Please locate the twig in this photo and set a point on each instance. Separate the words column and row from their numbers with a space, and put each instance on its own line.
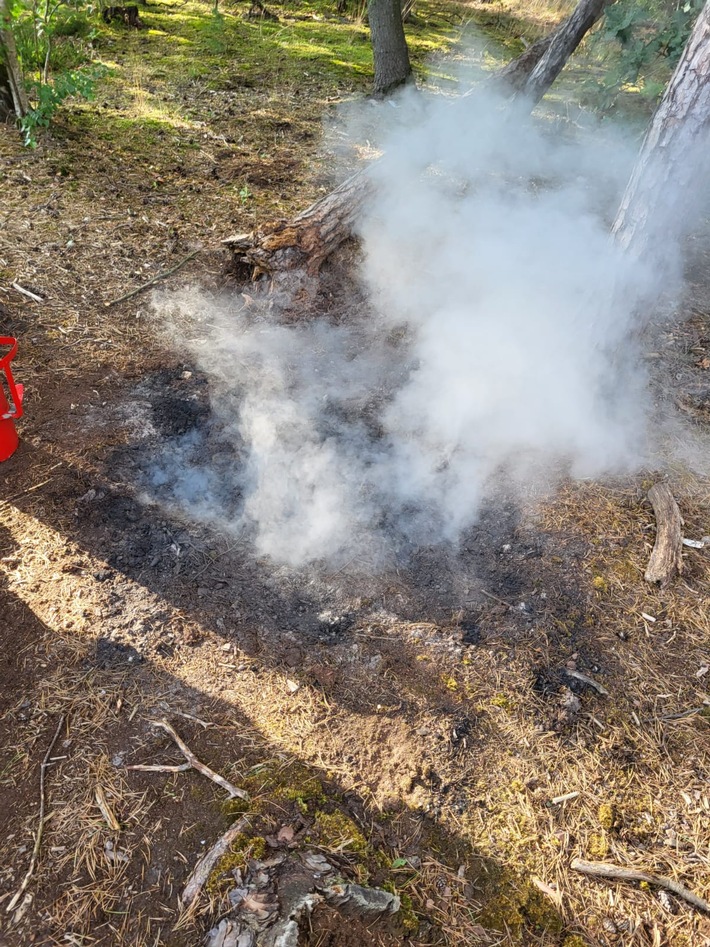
column 567, row 797
column 155, row 279
column 211, row 562
column 616, row 873
column 201, row 871
column 678, row 716
column 495, row 598
column 578, row 676
column 26, row 292
column 196, row 764
column 157, row 768
column 40, row 826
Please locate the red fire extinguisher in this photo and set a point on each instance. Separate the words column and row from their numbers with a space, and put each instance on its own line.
column 9, row 412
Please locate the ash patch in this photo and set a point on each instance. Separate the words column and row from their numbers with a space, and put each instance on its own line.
column 178, row 399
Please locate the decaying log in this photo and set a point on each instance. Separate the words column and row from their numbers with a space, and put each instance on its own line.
column 617, row 873
column 666, row 560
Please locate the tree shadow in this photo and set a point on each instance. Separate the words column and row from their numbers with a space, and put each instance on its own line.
column 108, row 694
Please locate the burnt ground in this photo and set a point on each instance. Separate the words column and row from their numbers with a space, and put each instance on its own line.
column 418, row 727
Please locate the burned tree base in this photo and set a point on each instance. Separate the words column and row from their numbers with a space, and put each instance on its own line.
column 302, row 244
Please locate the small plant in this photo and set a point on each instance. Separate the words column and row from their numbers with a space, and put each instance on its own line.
column 245, row 194
column 53, row 39
column 48, row 96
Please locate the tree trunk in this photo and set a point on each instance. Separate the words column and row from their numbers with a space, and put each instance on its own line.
column 661, row 186
column 307, row 240
column 389, row 46
column 7, row 107
column 563, row 42
column 10, row 72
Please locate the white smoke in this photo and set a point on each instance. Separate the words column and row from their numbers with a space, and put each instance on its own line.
column 498, row 339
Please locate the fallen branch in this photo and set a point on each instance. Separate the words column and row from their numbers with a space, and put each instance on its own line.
column 201, row 871
column 40, row 825
column 666, row 561
column 163, row 275
column 300, row 246
column 616, row 873
column 196, row 764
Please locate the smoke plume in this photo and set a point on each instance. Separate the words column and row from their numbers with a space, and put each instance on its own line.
column 496, row 340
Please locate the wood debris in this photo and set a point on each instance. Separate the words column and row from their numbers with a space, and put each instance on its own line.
column 666, row 561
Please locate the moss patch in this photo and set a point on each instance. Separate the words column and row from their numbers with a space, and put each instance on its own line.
column 243, row 848
column 335, row 830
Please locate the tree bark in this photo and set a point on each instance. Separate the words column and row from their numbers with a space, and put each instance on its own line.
column 661, row 185
column 389, row 45
column 9, row 64
column 307, row 240
column 563, row 42
column 7, row 107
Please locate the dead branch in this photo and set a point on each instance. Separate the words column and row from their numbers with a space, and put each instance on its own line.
column 163, row 275
column 41, row 820
column 666, row 561
column 201, row 871
column 617, row 873
column 196, row 764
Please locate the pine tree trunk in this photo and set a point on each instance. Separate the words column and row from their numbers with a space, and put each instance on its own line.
column 389, row 46
column 661, row 186
column 563, row 42
column 10, row 72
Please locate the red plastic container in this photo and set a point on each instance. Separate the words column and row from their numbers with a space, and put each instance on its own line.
column 9, row 412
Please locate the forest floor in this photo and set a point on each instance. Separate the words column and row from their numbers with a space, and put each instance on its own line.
column 419, row 728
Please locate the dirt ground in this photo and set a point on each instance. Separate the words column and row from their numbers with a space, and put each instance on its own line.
column 420, row 729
